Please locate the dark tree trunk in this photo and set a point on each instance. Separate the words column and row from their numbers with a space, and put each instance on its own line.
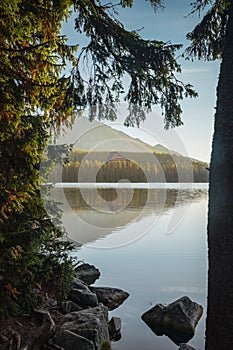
column 219, row 328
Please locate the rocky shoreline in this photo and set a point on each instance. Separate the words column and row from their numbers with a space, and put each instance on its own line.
column 82, row 321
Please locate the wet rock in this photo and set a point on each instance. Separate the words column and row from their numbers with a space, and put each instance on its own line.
column 114, row 327
column 185, row 347
column 110, row 297
column 87, row 273
column 91, row 324
column 69, row 306
column 82, row 295
column 70, row 341
column 176, row 320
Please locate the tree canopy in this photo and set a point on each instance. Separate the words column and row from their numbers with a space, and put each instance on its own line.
column 36, row 98
column 112, row 52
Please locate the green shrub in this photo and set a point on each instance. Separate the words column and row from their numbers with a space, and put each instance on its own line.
column 106, row 345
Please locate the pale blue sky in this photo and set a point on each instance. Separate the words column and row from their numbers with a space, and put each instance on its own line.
column 172, row 24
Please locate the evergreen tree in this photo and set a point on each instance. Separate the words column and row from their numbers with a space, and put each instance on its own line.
column 33, row 100
column 36, row 99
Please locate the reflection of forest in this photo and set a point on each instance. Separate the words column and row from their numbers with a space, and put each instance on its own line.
column 89, row 199
column 90, row 214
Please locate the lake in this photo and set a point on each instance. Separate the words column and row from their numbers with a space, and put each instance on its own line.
column 149, row 240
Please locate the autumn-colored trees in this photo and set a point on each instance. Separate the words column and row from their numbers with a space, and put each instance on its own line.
column 84, row 166
column 33, row 100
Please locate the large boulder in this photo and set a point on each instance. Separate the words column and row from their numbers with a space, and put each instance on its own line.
column 176, row 320
column 87, row 273
column 82, row 295
column 69, row 341
column 110, row 297
column 91, row 324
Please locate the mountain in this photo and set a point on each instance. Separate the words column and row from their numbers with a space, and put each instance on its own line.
column 97, row 136
column 95, row 143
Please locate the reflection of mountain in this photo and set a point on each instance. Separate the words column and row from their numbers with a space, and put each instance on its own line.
column 90, row 214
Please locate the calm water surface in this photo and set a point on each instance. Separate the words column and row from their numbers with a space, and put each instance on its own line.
column 150, row 242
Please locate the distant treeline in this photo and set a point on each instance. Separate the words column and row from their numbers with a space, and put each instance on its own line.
column 98, row 166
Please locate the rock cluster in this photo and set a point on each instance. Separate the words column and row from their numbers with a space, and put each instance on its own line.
column 81, row 322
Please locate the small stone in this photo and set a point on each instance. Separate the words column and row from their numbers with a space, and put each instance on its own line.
column 114, row 327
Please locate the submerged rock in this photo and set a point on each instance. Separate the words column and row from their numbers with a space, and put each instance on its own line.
column 176, row 320
column 87, row 273
column 110, row 297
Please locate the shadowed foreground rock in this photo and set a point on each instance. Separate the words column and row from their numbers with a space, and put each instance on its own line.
column 69, row 341
column 78, row 323
column 176, row 320
column 91, row 325
column 28, row 332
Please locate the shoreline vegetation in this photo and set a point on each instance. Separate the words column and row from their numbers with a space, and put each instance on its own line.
column 137, row 167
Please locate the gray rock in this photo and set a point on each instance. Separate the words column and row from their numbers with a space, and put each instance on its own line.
column 82, row 295
column 78, row 284
column 114, row 327
column 91, row 324
column 83, row 298
column 70, row 341
column 69, row 306
column 176, row 320
column 110, row 297
column 185, row 347
column 87, row 273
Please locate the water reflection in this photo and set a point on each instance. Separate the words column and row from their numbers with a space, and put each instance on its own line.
column 91, row 214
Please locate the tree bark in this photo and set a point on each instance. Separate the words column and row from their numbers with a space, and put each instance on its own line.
column 219, row 326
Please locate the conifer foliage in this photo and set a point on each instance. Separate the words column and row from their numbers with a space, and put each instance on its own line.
column 33, row 99
column 36, row 99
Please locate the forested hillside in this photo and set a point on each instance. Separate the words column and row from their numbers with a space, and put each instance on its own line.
column 98, row 166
